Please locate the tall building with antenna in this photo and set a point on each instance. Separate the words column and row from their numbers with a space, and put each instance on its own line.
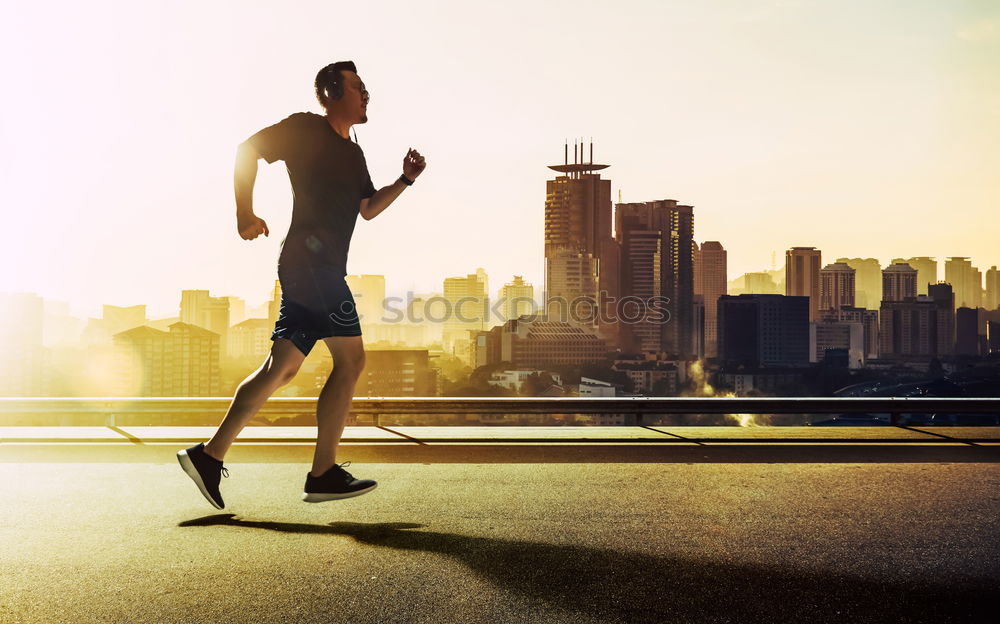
column 581, row 256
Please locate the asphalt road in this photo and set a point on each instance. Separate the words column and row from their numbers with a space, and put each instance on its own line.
column 570, row 542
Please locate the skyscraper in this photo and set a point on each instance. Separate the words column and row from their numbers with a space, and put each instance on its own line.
column 802, row 267
column 944, row 302
column 713, row 285
column 468, row 307
column 992, row 294
column 867, row 281
column 642, row 279
column 656, row 239
column 965, row 281
column 836, row 286
column 908, row 327
column 581, row 256
column 899, row 282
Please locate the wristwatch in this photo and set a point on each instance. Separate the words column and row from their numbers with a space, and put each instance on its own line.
column 405, row 180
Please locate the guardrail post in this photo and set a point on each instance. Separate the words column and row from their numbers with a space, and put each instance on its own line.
column 894, row 419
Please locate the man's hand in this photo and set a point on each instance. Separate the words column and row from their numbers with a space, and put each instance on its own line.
column 250, row 226
column 413, row 164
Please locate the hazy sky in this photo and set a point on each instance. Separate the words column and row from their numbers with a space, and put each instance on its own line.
column 864, row 128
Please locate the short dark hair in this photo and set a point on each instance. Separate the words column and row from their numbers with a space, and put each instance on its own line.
column 330, row 81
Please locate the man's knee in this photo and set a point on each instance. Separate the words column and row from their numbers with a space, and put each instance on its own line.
column 278, row 371
column 350, row 364
column 280, row 375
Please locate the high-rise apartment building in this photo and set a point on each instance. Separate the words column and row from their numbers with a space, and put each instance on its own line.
column 992, row 291
column 467, row 311
column 836, row 286
column 802, row 267
column 867, row 281
column 965, row 280
column 899, row 282
column 518, row 298
column 181, row 362
column 944, row 302
column 908, row 328
column 711, row 284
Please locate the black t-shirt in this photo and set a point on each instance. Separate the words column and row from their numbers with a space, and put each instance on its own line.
column 329, row 179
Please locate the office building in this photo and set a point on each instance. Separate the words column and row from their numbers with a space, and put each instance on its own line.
column 656, row 239
column 536, row 342
column 763, row 330
column 581, row 256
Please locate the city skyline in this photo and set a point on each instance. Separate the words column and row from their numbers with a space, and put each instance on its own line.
column 758, row 114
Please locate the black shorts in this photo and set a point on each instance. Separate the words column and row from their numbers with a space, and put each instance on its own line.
column 315, row 303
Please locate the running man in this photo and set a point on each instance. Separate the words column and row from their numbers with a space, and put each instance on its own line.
column 331, row 186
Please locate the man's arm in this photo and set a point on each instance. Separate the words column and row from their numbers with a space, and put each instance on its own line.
column 249, row 225
column 372, row 206
column 413, row 166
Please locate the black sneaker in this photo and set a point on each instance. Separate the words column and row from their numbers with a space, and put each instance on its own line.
column 205, row 470
column 334, row 484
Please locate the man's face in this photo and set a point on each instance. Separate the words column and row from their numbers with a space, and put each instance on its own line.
column 353, row 104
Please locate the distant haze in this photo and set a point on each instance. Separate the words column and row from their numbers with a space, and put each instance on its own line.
column 860, row 128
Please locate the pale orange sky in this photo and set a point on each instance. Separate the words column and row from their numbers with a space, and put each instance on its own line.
column 864, row 129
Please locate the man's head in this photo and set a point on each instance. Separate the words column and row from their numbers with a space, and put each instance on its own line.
column 340, row 90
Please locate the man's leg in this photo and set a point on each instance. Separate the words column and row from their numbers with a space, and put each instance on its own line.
column 277, row 370
column 334, row 401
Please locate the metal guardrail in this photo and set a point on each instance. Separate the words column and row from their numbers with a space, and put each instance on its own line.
column 110, row 407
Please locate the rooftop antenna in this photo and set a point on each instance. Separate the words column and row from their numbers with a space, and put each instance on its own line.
column 579, row 165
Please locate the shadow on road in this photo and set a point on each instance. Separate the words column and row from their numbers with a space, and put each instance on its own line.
column 635, row 587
